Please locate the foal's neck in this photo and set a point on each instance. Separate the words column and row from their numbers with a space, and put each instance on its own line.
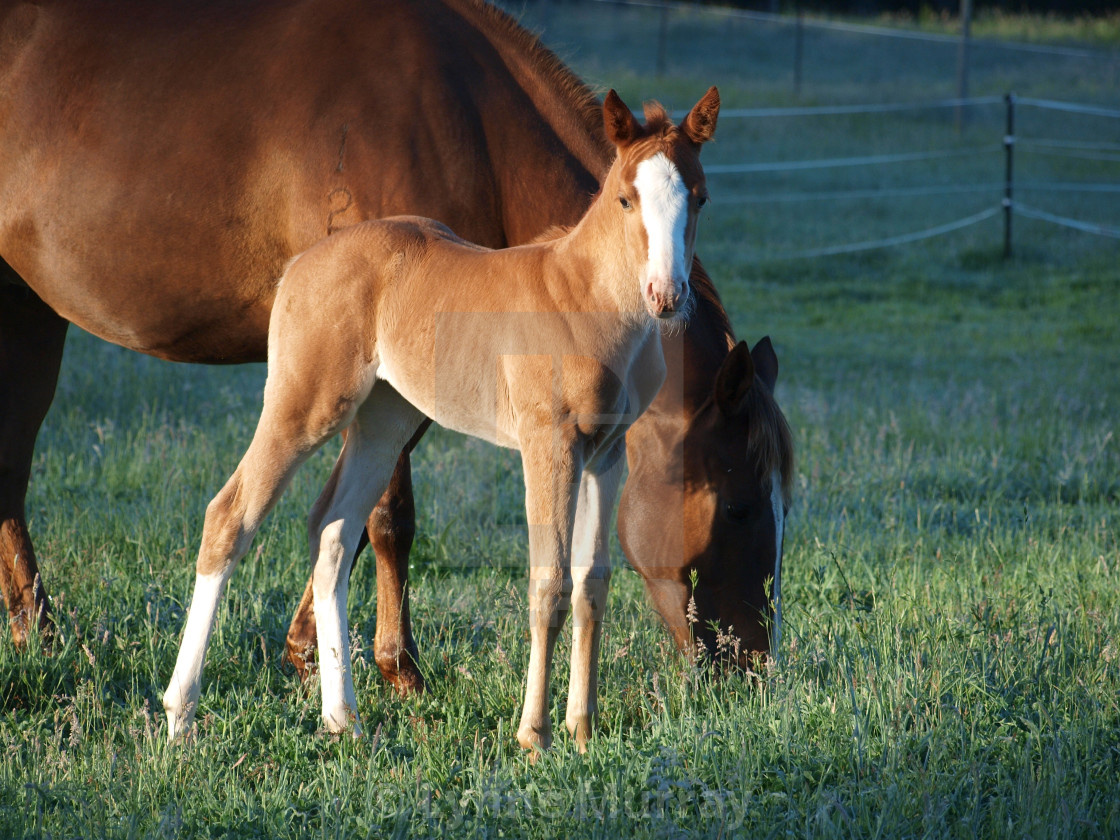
column 596, row 257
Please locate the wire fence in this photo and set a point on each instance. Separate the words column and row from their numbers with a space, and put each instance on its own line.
column 812, row 22
column 801, row 35
column 899, row 152
column 1007, row 205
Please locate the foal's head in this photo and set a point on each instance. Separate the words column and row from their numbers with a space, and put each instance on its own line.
column 658, row 187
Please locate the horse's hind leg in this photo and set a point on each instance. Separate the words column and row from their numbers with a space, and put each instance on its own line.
column 591, row 574
column 392, row 527
column 31, row 341
column 375, row 437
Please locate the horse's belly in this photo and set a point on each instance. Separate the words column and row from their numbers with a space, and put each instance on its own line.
column 164, row 317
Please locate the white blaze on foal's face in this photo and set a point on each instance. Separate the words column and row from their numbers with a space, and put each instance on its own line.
column 663, row 198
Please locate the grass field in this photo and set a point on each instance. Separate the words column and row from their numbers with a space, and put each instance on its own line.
column 951, row 656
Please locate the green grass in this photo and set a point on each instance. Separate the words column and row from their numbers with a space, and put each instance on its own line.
column 951, row 657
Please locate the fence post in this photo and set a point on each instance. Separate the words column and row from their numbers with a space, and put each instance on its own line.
column 1008, row 181
column 963, row 59
column 798, row 51
column 662, row 37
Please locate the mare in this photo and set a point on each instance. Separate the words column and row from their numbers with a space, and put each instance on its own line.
column 552, row 348
column 160, row 163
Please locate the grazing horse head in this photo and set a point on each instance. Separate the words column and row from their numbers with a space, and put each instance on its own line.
column 706, row 535
column 660, row 187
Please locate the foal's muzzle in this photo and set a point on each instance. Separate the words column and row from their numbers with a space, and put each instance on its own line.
column 664, row 305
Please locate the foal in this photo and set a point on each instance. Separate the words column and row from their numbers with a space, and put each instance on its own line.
column 552, row 348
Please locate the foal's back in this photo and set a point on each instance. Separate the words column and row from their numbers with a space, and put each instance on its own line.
column 472, row 337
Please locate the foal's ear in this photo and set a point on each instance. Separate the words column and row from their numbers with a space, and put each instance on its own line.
column 619, row 121
column 700, row 124
column 734, row 379
column 765, row 362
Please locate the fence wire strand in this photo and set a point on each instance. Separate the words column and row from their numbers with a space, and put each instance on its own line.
column 833, row 163
column 1076, row 224
column 890, row 241
column 855, row 195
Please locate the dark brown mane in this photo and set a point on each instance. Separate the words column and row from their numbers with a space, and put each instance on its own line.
column 517, row 45
column 769, row 440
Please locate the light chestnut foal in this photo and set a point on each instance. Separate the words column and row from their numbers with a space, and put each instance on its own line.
column 553, row 348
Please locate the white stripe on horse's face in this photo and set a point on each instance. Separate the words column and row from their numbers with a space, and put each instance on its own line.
column 664, row 202
column 778, row 506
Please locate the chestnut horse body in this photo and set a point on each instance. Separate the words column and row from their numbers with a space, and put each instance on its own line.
column 160, row 163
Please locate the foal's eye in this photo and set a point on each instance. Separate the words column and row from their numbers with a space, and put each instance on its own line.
column 703, row 201
column 625, row 202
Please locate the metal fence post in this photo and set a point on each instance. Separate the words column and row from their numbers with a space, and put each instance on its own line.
column 662, row 37
column 962, row 60
column 798, row 51
column 1008, row 182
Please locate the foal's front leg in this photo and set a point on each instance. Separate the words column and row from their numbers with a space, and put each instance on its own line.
column 591, row 575
column 552, row 474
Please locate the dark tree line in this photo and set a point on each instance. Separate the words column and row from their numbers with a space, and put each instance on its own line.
column 1064, row 8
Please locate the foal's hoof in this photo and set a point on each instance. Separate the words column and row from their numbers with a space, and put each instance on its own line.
column 580, row 728
column 342, row 721
column 180, row 727
column 535, row 740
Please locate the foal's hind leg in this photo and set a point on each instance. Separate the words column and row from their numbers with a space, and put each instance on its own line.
column 383, row 424
column 390, row 529
column 232, row 520
column 302, row 410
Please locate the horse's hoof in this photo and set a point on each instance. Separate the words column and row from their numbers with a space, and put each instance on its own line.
column 23, row 629
column 300, row 655
column 407, row 682
column 400, row 671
